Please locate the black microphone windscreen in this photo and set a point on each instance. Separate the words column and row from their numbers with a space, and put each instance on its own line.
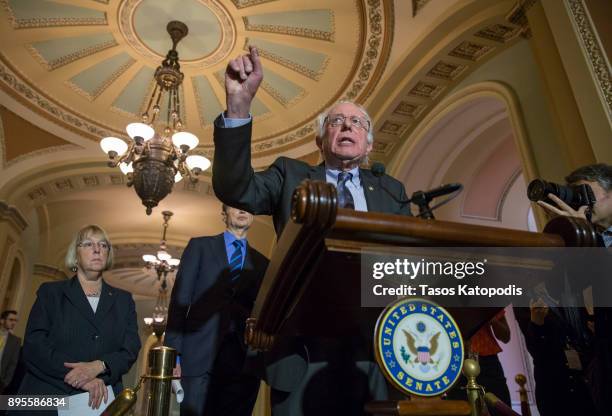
column 443, row 190
column 378, row 169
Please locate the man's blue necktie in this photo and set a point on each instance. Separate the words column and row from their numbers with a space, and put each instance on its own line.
column 345, row 198
column 235, row 264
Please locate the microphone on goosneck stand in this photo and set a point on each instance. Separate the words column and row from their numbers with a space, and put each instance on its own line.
column 420, row 198
column 423, row 198
column 439, row 191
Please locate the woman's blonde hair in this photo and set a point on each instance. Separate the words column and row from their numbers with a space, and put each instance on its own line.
column 85, row 232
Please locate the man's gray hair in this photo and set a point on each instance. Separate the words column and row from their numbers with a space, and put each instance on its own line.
column 600, row 173
column 320, row 122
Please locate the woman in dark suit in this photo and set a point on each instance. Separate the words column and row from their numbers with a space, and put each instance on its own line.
column 82, row 334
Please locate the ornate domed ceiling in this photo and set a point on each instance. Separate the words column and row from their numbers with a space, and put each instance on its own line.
column 88, row 65
column 74, row 71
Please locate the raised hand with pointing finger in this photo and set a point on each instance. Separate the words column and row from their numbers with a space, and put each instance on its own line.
column 243, row 76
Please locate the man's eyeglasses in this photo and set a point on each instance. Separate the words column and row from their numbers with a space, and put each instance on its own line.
column 89, row 245
column 339, row 119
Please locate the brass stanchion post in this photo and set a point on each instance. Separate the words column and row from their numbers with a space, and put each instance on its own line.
column 471, row 370
column 161, row 364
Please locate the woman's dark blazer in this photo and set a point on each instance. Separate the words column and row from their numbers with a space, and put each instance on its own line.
column 62, row 327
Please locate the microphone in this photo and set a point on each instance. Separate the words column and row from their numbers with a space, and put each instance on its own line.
column 436, row 192
column 423, row 198
column 419, row 198
column 378, row 170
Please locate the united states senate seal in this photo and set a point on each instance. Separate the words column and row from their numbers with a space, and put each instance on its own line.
column 418, row 347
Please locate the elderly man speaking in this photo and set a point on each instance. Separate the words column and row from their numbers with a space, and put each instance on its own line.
column 340, row 376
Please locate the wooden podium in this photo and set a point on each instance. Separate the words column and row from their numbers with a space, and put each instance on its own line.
column 312, row 285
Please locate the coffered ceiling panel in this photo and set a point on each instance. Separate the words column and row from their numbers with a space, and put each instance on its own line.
column 93, row 80
column 316, row 24
column 209, row 105
column 35, row 13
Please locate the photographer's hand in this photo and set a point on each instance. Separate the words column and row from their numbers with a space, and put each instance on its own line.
column 562, row 209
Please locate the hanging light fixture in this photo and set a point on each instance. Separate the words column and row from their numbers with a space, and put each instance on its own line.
column 163, row 263
column 151, row 161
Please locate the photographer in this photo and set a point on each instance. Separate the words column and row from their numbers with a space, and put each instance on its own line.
column 599, row 178
column 593, row 203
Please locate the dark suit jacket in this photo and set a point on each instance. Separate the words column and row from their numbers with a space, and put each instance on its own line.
column 204, row 302
column 10, row 358
column 269, row 192
column 62, row 327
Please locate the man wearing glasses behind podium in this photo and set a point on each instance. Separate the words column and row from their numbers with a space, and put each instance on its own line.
column 302, row 377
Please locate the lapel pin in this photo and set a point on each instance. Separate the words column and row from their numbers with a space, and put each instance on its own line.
column 370, row 188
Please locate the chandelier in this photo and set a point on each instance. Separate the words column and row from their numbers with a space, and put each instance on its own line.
column 162, row 263
column 158, row 320
column 153, row 162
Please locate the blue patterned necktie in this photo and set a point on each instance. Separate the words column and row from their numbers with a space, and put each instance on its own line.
column 345, row 198
column 235, row 264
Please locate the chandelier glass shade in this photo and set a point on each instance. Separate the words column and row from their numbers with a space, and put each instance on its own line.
column 153, row 161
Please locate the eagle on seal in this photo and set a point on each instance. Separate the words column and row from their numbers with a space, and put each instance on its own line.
column 423, row 353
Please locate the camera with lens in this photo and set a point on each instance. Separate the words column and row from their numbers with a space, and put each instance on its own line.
column 575, row 196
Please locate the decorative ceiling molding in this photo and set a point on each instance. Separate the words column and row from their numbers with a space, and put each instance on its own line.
column 56, row 62
column 448, row 71
column 302, row 31
column 241, row 4
column 278, row 96
column 12, row 215
column 394, row 128
column 310, row 72
column 288, row 30
column 445, row 70
column 40, row 193
column 382, row 148
column 518, row 16
column 407, row 109
column 426, row 90
column 40, row 152
column 592, row 48
column 290, row 138
column 471, row 51
column 40, row 21
column 18, row 88
column 99, row 89
column 379, row 39
column 499, row 33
